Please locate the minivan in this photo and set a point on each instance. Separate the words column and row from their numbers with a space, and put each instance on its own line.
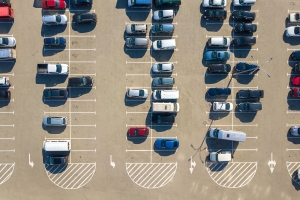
column 169, row 44
column 57, row 145
column 220, row 156
column 165, row 94
column 165, row 107
column 167, row 3
column 139, row 3
column 227, row 135
column 219, row 42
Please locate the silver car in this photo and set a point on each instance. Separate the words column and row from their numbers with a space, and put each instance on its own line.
column 136, row 28
column 137, row 93
column 163, row 14
column 163, row 81
column 134, row 42
column 54, row 121
column 162, row 67
column 162, row 28
column 295, row 130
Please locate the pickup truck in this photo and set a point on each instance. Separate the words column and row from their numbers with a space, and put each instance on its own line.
column 249, row 107
column 248, row 94
column 8, row 54
column 53, row 69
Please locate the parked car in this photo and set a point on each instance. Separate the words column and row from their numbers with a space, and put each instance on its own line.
column 84, row 81
column 219, row 68
column 214, row 3
column 294, row 17
column 250, row 94
column 243, row 41
column 295, row 130
column 4, row 81
column 295, row 92
column 5, row 3
column 296, row 80
column 7, row 42
column 167, row 44
column 218, row 42
column 245, row 27
column 57, row 160
column 83, row 18
column 162, row 28
column 217, row 55
column 163, row 81
column 136, row 28
column 162, row 67
column 218, row 92
column 54, row 121
column 296, row 55
column 250, row 106
column 138, row 131
column 296, row 68
column 56, row 19
column 75, row 3
column 54, row 4
column 246, row 68
column 163, row 118
column 215, row 14
column 166, row 143
column 222, row 106
column 134, row 42
column 55, row 41
column 137, row 93
column 5, row 94
column 55, row 93
column 243, row 15
column 292, row 31
column 243, row 2
column 163, row 14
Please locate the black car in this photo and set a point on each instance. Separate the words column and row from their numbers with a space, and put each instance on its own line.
column 75, row 3
column 247, row 94
column 245, row 27
column 82, row 18
column 243, row 41
column 296, row 68
column 5, row 94
column 215, row 14
column 249, row 107
column 246, row 68
column 55, row 41
column 57, row 160
column 55, row 93
column 219, row 68
column 4, row 3
column 219, row 92
column 84, row 81
column 296, row 55
column 163, row 118
column 243, row 15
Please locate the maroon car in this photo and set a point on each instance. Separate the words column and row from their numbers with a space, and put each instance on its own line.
column 295, row 92
column 141, row 131
column 296, row 80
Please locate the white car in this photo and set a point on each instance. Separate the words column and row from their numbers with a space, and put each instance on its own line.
column 168, row 44
column 4, row 81
column 163, row 14
column 214, row 3
column 137, row 93
column 7, row 42
column 243, row 2
column 55, row 19
column 294, row 17
column 293, row 31
column 222, row 106
column 162, row 67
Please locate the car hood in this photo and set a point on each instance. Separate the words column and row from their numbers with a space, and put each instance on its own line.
column 64, row 19
column 290, row 30
column 205, row 2
column 4, row 80
column 128, row 28
column 155, row 15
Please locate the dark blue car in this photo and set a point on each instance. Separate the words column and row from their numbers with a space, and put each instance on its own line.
column 55, row 41
column 296, row 55
column 246, row 68
column 219, row 92
column 166, row 143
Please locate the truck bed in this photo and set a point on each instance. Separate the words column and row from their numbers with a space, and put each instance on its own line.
column 42, row 68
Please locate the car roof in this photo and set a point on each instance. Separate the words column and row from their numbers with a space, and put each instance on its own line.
column 49, row 18
column 168, row 12
column 139, row 27
column 141, row 41
column 134, row 92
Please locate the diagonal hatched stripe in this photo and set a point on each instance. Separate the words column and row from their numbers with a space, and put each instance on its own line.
column 292, row 167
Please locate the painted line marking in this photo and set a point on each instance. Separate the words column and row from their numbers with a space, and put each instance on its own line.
column 145, row 74
column 76, row 100
column 150, row 23
column 72, row 112
column 46, row 138
column 92, row 125
column 236, row 87
column 164, row 150
column 150, row 125
column 145, row 62
column 209, row 36
column 50, row 49
column 81, row 36
column 207, row 125
column 51, row 61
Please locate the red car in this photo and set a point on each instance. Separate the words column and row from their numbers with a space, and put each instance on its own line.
column 296, row 80
column 295, row 92
column 141, row 131
column 54, row 4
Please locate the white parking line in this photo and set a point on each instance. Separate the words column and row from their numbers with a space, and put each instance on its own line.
column 13, row 74
column 157, row 87
column 94, row 87
column 7, row 125
column 78, row 100
column 238, row 149
column 141, row 49
column 13, row 138
column 151, row 23
column 68, row 10
column 209, row 36
column 292, row 149
column 287, row 49
column 293, row 112
column 208, row 125
column 81, row 36
column 287, row 125
column 236, row 87
column 92, row 125
column 13, row 150
column 70, row 112
column 132, row 138
column 82, row 74
column 207, row 23
column 293, row 10
column 231, row 112
column 52, row 49
column 153, row 36
column 150, row 150
column 149, row 125
column 46, row 138
column 51, row 61
column 136, row 100
column 251, row 61
column 137, row 112
column 287, row 74
column 13, row 112
column 148, row 62
column 236, row 49
column 292, row 61
column 145, row 74
column 73, row 150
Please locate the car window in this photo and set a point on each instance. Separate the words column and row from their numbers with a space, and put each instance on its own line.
column 160, row 14
column 297, row 30
column 58, row 68
column 227, row 106
column 215, row 133
column 132, row 27
column 48, row 120
column 141, row 93
column 5, row 41
column 58, row 18
column 214, row 55
column 136, row 132
column 159, row 44
column 83, row 81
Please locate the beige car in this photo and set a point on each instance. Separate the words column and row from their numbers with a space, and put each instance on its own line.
column 136, row 28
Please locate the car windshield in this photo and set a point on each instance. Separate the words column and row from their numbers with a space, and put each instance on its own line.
column 242, row 27
column 48, row 120
column 159, row 66
column 64, row 121
column 158, row 94
column 159, row 44
column 83, row 80
column 58, row 18
column 58, row 68
column 56, row 4
column 224, row 41
column 159, row 80
column 297, row 30
column 49, row 93
column 132, row 41
column 163, row 143
column 239, row 13
column 214, row 55
column 159, row 119
column 160, row 14
column 136, row 132
column 5, row 41
column 243, row 66
column 227, row 106
column 239, row 41
column 241, row 1
column 215, row 133
column 78, row 17
column 56, row 40
column 132, row 27
column 159, row 27
column 253, row 27
column 297, row 16
column 141, row 93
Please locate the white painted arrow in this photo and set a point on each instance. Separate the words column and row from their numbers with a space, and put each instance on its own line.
column 30, row 162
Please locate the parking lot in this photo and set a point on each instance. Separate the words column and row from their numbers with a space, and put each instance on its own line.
column 104, row 162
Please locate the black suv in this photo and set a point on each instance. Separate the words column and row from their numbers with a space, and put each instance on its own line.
column 243, row 15
column 215, row 14
column 82, row 18
column 84, row 81
column 55, row 93
column 4, row 94
column 82, row 2
column 219, row 68
column 249, row 107
column 242, row 41
column 163, row 118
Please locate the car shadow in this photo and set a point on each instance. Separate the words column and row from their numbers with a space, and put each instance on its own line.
column 293, row 103
column 83, row 28
column 211, row 78
column 158, row 127
column 215, row 115
column 6, row 27
column 50, row 31
column 292, row 62
column 7, row 66
column 54, row 130
column 53, row 12
column 215, row 98
column 82, row 8
column 131, row 102
column 136, row 140
column 291, row 138
column 161, row 55
column 137, row 15
column 293, row 41
column 50, row 80
column 164, row 152
column 240, row 52
column 50, row 51
column 4, row 102
column 37, row 3
column 211, row 25
column 120, row 4
column 135, row 52
column 294, row 180
column 57, row 168
column 244, row 117
column 244, row 78
column 54, row 102
column 78, row 92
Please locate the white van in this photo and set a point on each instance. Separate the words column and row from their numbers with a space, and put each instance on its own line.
column 57, row 145
column 227, row 135
column 220, row 156
column 219, row 42
column 165, row 107
column 165, row 94
column 8, row 54
column 169, row 44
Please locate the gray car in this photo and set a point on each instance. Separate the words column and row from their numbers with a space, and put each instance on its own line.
column 163, row 81
column 136, row 28
column 134, row 42
column 295, row 130
column 162, row 28
column 54, row 121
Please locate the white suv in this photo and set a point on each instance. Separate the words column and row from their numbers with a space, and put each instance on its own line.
column 243, row 2
column 55, row 19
